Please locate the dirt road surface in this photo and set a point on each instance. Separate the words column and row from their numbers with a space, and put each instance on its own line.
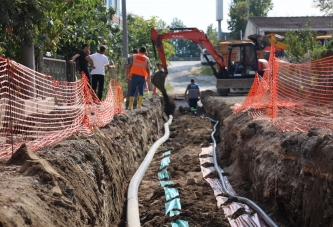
column 180, row 74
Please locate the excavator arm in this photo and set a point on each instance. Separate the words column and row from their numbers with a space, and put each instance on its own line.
column 193, row 34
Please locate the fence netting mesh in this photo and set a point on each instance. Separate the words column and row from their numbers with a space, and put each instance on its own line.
column 39, row 111
column 295, row 97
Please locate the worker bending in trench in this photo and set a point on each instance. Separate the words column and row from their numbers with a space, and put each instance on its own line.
column 192, row 94
column 139, row 74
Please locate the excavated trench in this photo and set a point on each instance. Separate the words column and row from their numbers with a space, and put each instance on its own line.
column 83, row 181
column 289, row 174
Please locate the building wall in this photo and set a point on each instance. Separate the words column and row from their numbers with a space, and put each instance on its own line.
column 251, row 29
column 117, row 18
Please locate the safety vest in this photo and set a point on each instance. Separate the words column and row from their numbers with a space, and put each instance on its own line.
column 193, row 91
column 139, row 66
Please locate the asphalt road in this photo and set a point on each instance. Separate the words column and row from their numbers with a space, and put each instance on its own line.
column 180, row 76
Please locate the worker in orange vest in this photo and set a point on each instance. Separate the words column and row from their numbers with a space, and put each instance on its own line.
column 139, row 74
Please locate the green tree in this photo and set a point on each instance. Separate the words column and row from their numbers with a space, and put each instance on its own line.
column 18, row 19
column 212, row 35
column 302, row 42
column 238, row 14
column 50, row 24
column 183, row 47
column 325, row 6
column 139, row 35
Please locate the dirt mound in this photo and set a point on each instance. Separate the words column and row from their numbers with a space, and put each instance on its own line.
column 289, row 174
column 81, row 181
column 21, row 156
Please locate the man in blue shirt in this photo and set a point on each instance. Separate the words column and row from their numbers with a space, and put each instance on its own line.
column 192, row 94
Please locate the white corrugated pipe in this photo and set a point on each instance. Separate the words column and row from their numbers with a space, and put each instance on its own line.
column 247, row 201
column 133, row 216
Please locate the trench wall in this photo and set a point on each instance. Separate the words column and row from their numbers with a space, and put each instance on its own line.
column 289, row 174
column 83, row 181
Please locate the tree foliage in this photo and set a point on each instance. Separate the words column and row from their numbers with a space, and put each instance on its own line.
column 325, row 6
column 51, row 25
column 139, row 35
column 62, row 26
column 238, row 14
column 17, row 20
column 212, row 35
column 183, row 47
column 302, row 43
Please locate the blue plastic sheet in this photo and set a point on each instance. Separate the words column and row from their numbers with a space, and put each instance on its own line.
column 173, row 204
column 165, row 162
column 174, row 213
column 166, row 153
column 179, row 223
column 163, row 174
column 166, row 182
column 172, row 207
column 170, row 193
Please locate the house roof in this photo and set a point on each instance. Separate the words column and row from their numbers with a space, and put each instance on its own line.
column 316, row 23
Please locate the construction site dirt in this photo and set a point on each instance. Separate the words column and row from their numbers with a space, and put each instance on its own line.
column 83, row 180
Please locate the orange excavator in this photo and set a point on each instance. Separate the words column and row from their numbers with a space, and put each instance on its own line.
column 242, row 63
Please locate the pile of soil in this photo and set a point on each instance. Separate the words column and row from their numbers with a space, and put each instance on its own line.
column 81, row 181
column 289, row 174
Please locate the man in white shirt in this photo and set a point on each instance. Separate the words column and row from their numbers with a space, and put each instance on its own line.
column 97, row 74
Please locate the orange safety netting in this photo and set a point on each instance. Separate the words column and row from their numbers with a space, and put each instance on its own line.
column 295, row 96
column 39, row 111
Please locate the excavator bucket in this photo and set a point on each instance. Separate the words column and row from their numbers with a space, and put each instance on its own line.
column 158, row 80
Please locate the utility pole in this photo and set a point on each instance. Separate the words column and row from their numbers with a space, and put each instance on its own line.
column 125, row 33
column 248, row 9
column 219, row 17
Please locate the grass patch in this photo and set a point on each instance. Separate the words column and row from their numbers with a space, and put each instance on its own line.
column 207, row 71
column 204, row 71
column 167, row 88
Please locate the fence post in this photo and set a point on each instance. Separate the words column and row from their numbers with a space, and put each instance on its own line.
column 273, row 85
column 10, row 104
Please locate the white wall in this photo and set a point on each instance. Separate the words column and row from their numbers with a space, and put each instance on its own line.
column 251, row 29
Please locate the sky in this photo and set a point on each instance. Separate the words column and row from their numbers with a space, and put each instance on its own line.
column 201, row 13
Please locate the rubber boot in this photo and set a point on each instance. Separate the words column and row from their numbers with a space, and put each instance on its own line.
column 140, row 101
column 131, row 100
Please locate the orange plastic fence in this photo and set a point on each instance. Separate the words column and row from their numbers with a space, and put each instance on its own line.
column 39, row 111
column 295, row 96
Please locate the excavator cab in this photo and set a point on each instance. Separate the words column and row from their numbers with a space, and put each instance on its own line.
column 242, row 61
